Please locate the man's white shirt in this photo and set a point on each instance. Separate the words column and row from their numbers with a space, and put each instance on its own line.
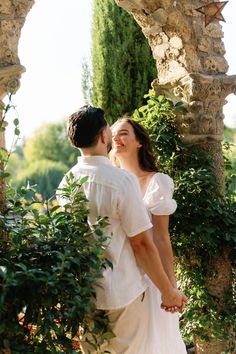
column 115, row 193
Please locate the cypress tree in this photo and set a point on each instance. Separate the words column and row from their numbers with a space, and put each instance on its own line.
column 122, row 63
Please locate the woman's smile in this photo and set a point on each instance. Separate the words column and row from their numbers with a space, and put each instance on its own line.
column 123, row 138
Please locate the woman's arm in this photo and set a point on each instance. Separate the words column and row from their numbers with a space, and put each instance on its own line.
column 161, row 239
column 148, row 259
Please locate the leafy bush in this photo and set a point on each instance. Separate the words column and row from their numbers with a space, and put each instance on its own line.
column 42, row 159
column 49, row 142
column 50, row 263
column 45, row 174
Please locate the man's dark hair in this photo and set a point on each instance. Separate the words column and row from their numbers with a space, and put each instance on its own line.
column 85, row 126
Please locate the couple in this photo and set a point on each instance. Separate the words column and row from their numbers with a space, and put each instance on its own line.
column 139, row 294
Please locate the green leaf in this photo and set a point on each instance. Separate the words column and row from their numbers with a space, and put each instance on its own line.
column 3, row 154
column 56, row 207
column 142, row 109
column 16, row 121
column 2, row 106
column 17, row 131
column 4, row 174
column 161, row 98
column 181, row 109
column 83, row 180
column 179, row 104
column 108, row 335
column 99, row 232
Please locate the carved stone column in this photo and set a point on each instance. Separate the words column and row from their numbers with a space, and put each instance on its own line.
column 12, row 18
column 191, row 67
column 190, row 61
column 204, row 96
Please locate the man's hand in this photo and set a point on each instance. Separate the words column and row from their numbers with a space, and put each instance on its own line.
column 175, row 302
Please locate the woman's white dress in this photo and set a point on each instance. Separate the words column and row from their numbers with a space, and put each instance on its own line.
column 159, row 200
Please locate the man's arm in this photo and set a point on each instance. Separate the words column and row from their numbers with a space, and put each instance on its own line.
column 148, row 259
column 134, row 221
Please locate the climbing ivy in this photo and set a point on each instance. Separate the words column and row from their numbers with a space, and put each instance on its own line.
column 205, row 221
column 4, row 153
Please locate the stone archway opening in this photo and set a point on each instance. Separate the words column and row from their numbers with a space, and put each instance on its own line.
column 230, row 111
column 230, row 138
column 52, row 52
column 181, row 45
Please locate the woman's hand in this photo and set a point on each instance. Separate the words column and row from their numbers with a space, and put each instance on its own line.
column 178, row 299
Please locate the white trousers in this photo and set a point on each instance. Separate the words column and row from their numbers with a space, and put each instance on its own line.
column 131, row 328
column 142, row 328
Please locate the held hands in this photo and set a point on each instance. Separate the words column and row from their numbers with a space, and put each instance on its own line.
column 174, row 302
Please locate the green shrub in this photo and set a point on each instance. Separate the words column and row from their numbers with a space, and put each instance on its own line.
column 45, row 174
column 49, row 142
column 204, row 223
column 50, row 263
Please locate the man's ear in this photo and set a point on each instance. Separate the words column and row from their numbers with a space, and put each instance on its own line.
column 103, row 136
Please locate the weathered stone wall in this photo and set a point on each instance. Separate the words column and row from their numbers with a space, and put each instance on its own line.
column 189, row 56
column 191, row 67
column 179, row 40
column 190, row 62
column 12, row 18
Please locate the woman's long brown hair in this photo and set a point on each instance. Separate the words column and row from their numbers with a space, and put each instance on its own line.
column 145, row 152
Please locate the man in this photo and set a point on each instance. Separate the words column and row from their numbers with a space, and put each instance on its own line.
column 115, row 193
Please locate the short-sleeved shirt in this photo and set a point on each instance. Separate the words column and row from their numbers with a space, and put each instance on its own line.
column 158, row 197
column 115, row 193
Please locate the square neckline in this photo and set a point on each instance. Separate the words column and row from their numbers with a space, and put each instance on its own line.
column 149, row 183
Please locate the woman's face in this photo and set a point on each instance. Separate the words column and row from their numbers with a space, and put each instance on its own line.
column 124, row 140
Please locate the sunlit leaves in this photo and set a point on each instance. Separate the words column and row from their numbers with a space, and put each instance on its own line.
column 205, row 221
column 49, row 266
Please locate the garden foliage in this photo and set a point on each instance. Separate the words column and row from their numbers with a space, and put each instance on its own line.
column 51, row 261
column 205, row 221
column 122, row 63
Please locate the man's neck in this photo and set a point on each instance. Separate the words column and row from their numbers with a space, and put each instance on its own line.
column 92, row 152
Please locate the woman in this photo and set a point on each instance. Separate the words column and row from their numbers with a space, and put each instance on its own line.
column 133, row 152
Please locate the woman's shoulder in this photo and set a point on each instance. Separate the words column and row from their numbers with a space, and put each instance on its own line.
column 159, row 195
column 162, row 180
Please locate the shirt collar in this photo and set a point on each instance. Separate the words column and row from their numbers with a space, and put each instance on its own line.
column 93, row 160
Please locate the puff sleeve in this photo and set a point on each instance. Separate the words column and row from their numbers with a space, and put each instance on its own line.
column 159, row 195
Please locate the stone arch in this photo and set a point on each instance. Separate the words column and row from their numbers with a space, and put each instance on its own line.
column 190, row 58
column 190, row 62
column 12, row 19
column 191, row 67
column 180, row 44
